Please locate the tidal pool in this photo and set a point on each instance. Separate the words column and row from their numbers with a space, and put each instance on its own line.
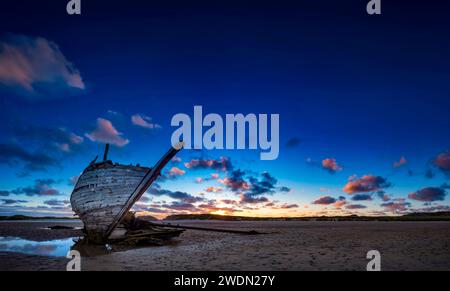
column 51, row 248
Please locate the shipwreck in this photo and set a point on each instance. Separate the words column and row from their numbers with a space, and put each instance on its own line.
column 106, row 191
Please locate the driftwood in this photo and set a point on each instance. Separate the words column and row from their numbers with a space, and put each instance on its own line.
column 61, row 227
column 247, row 232
column 134, row 231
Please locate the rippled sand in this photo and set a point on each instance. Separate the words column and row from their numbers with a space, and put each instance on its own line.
column 290, row 245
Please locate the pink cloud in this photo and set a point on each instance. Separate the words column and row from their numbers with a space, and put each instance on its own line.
column 328, row 200
column 213, row 189
column 64, row 147
column 175, row 171
column 76, row 139
column 274, row 205
column 26, row 62
column 428, row 194
column 213, row 176
column 223, row 164
column 442, row 161
column 235, row 184
column 229, row 201
column 385, row 197
column 400, row 163
column 68, row 141
column 42, row 187
column 176, row 159
column 331, row 165
column 144, row 121
column 355, row 206
column 339, row 203
column 397, row 206
column 325, row 200
column 105, row 132
column 367, row 183
column 248, row 199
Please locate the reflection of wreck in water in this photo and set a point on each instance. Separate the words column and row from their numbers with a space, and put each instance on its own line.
column 106, row 191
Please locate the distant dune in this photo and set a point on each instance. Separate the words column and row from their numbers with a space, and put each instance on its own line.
column 434, row 216
column 428, row 216
column 148, row 218
column 24, row 217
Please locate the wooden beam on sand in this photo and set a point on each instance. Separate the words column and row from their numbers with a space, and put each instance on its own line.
column 246, row 232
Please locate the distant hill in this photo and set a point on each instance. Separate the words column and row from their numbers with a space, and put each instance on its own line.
column 424, row 216
column 148, row 218
column 212, row 217
column 428, row 216
column 24, row 217
column 434, row 216
column 416, row 214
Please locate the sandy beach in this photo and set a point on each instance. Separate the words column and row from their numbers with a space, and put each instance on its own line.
column 288, row 245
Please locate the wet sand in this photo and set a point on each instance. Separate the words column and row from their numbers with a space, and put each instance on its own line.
column 290, row 245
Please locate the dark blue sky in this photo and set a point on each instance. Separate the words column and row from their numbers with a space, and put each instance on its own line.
column 362, row 91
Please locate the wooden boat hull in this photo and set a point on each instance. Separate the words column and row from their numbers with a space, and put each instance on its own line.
column 101, row 193
column 105, row 192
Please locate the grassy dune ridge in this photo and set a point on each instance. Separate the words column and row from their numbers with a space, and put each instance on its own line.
column 433, row 216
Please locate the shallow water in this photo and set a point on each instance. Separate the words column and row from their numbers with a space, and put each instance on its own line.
column 43, row 221
column 51, row 248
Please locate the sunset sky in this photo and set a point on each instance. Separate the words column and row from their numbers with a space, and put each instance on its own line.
column 364, row 103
